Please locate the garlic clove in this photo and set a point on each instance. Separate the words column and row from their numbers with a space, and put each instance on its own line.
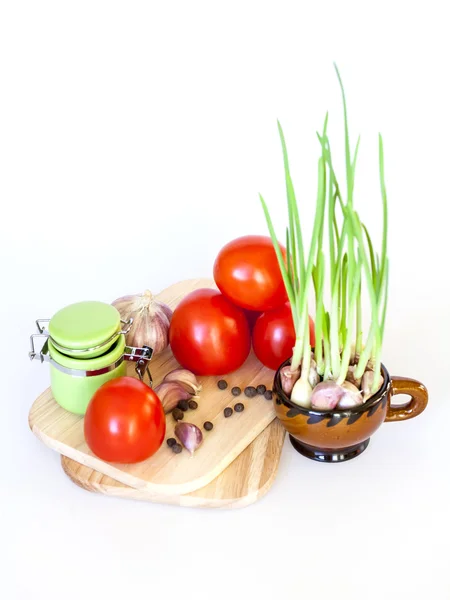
column 326, row 395
column 350, row 387
column 170, row 393
column 313, row 377
column 351, row 376
column 301, row 393
column 288, row 379
column 189, row 435
column 366, row 384
column 185, row 378
column 151, row 320
column 352, row 396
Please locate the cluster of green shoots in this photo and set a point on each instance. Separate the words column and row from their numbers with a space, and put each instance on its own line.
column 351, row 265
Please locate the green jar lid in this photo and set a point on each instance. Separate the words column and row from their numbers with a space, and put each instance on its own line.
column 92, row 363
column 85, row 325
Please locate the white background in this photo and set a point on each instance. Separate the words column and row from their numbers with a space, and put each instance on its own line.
column 134, row 137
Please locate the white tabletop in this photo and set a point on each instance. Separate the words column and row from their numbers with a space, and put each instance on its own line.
column 134, row 138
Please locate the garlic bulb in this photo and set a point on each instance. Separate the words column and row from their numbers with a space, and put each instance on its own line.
column 151, row 320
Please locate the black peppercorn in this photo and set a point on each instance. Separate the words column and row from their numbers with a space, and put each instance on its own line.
column 261, row 389
column 222, row 384
column 239, row 407
column 171, row 442
column 208, row 425
column 268, row 395
column 177, row 448
column 177, row 414
column 236, row 391
column 250, row 391
column 228, row 412
column 193, row 404
column 183, row 405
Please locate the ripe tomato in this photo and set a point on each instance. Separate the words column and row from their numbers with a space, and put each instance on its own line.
column 208, row 334
column 274, row 336
column 124, row 421
column 251, row 315
column 247, row 272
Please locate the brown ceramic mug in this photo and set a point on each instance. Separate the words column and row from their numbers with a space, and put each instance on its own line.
column 339, row 435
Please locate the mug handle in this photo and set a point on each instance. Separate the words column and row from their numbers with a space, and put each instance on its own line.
column 418, row 399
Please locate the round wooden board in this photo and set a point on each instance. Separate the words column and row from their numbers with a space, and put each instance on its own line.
column 244, row 481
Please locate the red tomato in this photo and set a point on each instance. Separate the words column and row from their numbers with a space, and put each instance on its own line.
column 251, row 315
column 124, row 421
column 274, row 336
column 247, row 272
column 208, row 334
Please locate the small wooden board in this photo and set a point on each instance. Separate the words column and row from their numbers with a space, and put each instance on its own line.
column 166, row 473
column 246, row 480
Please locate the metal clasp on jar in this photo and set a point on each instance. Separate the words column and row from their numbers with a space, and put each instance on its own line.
column 141, row 356
column 43, row 353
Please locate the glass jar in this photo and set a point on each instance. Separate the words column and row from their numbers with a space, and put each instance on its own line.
column 84, row 343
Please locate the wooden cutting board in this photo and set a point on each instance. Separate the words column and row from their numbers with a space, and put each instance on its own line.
column 166, row 473
column 244, row 481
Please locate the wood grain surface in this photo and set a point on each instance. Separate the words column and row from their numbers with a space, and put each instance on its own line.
column 243, row 482
column 166, row 473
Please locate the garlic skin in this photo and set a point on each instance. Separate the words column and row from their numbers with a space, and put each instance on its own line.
column 170, row 393
column 185, row 378
column 326, row 395
column 352, row 396
column 151, row 320
column 288, row 379
column 189, row 435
